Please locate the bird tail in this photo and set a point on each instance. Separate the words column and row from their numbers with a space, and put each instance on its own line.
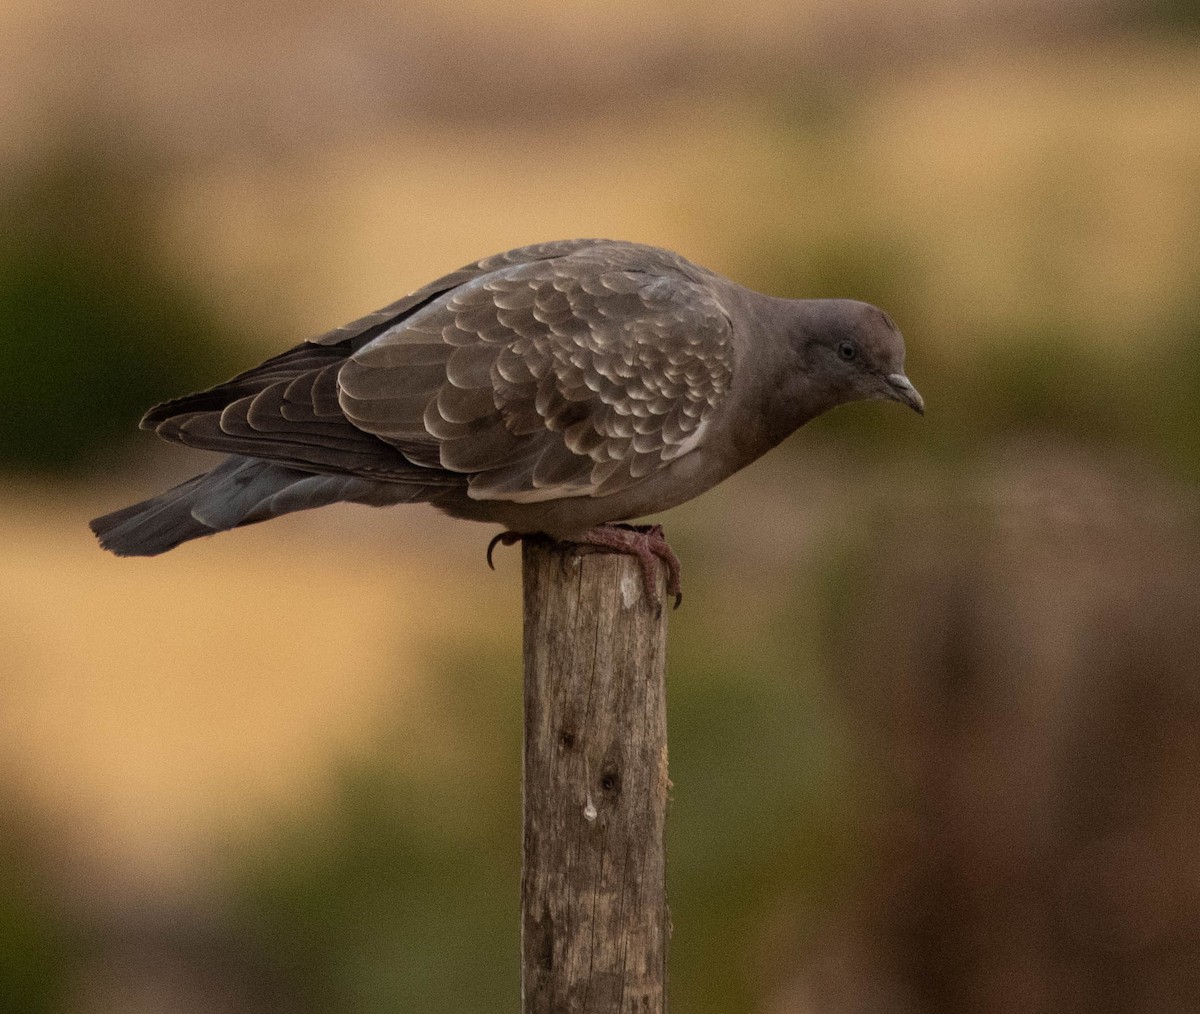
column 239, row 491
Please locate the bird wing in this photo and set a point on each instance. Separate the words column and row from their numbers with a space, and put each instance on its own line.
column 564, row 369
column 286, row 409
column 568, row 376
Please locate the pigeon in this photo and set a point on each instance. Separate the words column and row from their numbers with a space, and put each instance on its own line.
column 558, row 389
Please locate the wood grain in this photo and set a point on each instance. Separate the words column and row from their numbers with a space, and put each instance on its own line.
column 593, row 889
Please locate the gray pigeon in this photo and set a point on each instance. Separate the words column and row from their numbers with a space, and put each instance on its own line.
column 556, row 389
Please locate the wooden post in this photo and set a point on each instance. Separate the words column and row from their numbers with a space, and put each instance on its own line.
column 594, row 922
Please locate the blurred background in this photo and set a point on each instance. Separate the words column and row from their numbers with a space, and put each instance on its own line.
column 935, row 690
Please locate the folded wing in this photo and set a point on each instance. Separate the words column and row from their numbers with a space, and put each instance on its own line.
column 565, row 369
column 563, row 377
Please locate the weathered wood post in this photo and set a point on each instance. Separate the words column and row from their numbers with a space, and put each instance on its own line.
column 594, row 922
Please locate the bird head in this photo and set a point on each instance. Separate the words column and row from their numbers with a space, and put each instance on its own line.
column 857, row 350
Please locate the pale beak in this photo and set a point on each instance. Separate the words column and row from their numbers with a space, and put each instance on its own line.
column 901, row 389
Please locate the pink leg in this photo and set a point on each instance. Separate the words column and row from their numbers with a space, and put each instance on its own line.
column 646, row 542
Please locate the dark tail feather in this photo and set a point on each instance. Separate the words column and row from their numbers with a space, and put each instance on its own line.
column 164, row 521
column 239, row 491
column 152, row 526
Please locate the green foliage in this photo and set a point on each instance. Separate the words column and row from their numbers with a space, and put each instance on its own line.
column 392, row 902
column 401, row 892
column 93, row 328
column 37, row 945
column 1168, row 15
column 1141, row 399
column 1168, row 426
column 756, row 829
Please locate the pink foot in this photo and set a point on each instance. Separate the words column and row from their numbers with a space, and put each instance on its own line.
column 646, row 542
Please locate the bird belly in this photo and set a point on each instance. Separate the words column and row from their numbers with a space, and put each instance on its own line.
column 569, row 517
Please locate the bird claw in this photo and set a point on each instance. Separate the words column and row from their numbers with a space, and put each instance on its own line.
column 646, row 542
column 504, row 539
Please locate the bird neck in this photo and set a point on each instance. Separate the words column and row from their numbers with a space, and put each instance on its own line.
column 771, row 386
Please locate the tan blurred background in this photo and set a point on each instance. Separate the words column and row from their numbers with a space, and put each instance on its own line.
column 935, row 691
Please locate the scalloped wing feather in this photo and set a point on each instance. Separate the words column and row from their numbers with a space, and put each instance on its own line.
column 570, row 376
column 287, row 410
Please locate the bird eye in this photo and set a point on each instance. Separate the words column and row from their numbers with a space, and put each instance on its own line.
column 848, row 351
